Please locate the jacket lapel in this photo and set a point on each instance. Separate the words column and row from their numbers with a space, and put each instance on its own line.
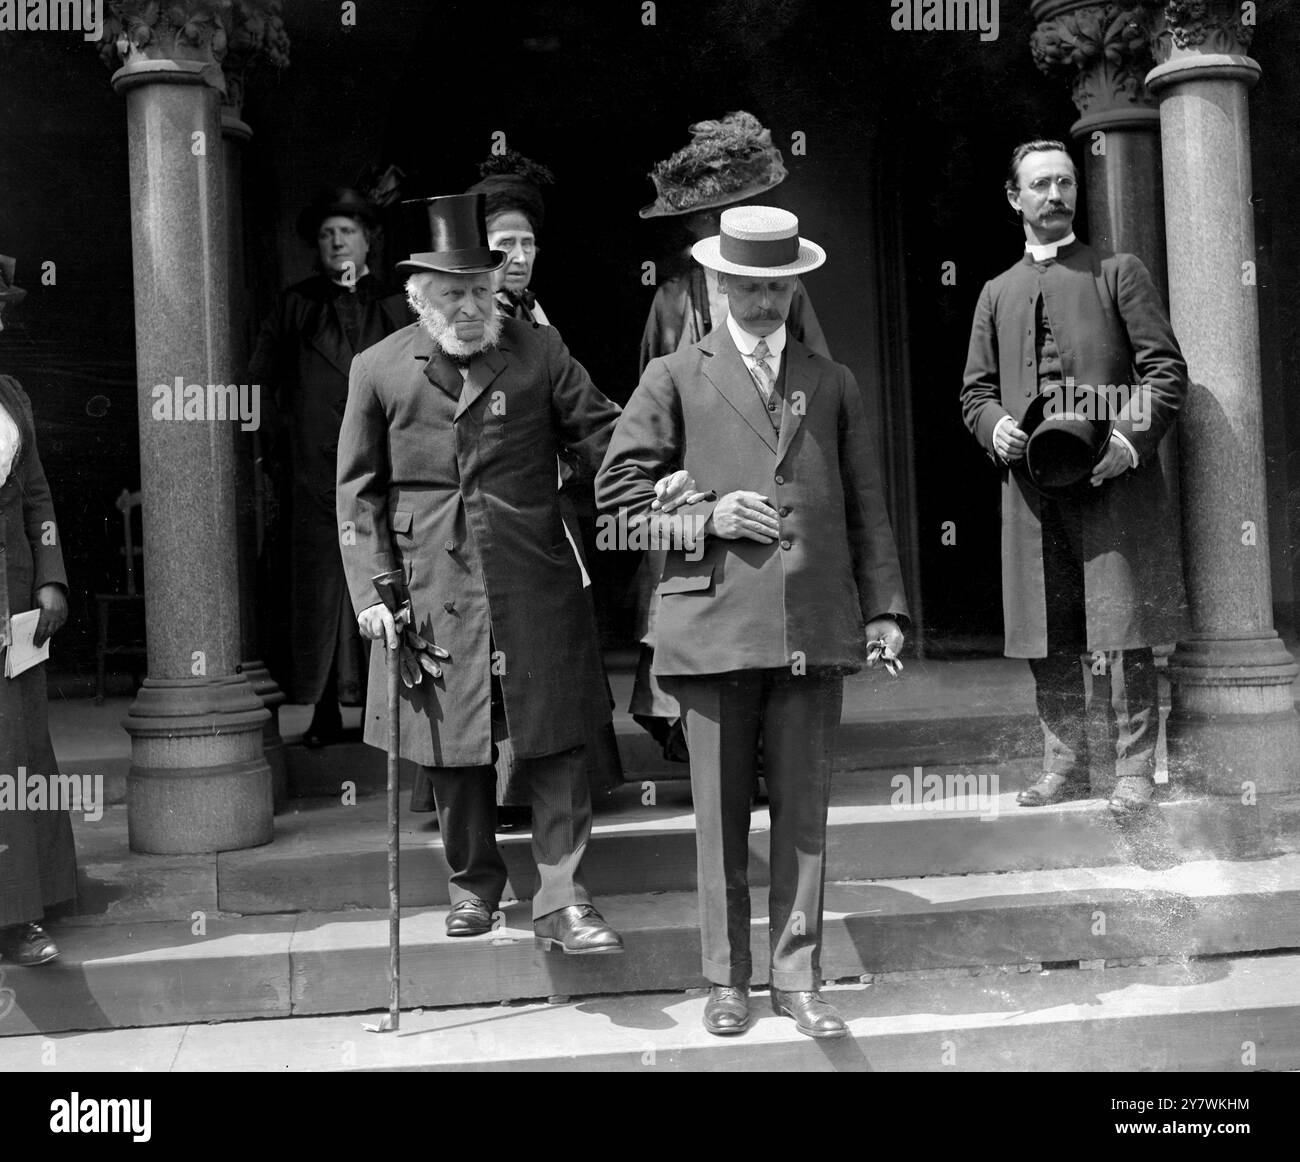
column 726, row 370
column 483, row 369
column 438, row 369
column 800, row 383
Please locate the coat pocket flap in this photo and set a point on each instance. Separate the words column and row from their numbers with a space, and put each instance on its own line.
column 687, row 582
column 401, row 520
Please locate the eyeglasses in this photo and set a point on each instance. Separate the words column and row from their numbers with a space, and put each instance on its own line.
column 1042, row 185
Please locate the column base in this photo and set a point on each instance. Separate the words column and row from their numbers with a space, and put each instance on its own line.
column 198, row 780
column 265, row 687
column 1233, row 729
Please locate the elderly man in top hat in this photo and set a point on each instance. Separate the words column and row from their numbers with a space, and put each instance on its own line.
column 726, row 161
column 1071, row 349
column 446, row 470
column 785, row 579
column 302, row 356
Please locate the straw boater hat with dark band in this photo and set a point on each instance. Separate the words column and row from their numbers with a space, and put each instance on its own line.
column 758, row 242
column 727, row 161
column 336, row 201
column 448, row 234
column 10, row 295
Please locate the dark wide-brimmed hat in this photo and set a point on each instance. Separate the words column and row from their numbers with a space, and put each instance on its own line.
column 727, row 161
column 10, row 295
column 1068, row 427
column 513, row 182
column 331, row 202
column 448, row 234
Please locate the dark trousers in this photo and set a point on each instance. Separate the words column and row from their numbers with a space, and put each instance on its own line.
column 1133, row 710
column 466, row 799
column 724, row 716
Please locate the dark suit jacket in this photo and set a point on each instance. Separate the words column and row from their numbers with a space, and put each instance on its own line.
column 744, row 605
column 301, row 361
column 1112, row 328
column 455, row 483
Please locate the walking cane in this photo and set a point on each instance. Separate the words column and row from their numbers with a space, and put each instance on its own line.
column 392, row 591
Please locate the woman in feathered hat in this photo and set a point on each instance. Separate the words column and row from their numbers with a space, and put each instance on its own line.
column 302, row 357
column 38, row 863
column 515, row 212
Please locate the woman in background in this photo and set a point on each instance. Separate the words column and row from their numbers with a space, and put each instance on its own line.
column 38, row 863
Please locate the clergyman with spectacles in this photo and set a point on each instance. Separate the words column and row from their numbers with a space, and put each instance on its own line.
column 1075, row 344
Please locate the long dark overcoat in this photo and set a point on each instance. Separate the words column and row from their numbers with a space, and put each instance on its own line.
column 38, row 864
column 454, row 482
column 738, row 604
column 1112, row 329
column 301, row 361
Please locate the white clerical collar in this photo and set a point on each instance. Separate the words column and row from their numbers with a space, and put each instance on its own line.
column 1048, row 249
column 747, row 342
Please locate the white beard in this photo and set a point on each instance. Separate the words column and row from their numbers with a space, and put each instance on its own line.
column 443, row 332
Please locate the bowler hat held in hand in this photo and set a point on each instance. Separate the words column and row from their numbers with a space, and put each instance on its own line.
column 1069, row 428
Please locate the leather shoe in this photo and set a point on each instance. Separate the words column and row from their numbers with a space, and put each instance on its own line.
column 727, row 1010
column 471, row 917
column 1131, row 796
column 27, row 945
column 813, row 1017
column 577, row 929
column 1052, row 788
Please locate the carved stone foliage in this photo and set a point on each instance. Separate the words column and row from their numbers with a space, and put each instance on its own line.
column 1105, row 50
column 1204, row 26
column 235, row 34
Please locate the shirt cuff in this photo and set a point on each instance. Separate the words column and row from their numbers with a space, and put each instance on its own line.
column 1128, row 447
column 1003, row 420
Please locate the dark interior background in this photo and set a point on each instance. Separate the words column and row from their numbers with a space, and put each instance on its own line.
column 907, row 139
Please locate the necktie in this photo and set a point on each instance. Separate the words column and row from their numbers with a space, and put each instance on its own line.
column 762, row 372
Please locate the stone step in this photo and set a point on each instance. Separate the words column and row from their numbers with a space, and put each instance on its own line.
column 1174, row 1017
column 198, row 966
column 327, row 857
column 923, row 740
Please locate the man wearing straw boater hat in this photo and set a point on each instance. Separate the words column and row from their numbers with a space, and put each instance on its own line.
column 726, row 162
column 446, row 470
column 781, row 577
column 1072, row 378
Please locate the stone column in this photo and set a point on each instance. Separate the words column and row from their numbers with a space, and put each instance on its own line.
column 198, row 780
column 1233, row 720
column 1104, row 50
column 257, row 33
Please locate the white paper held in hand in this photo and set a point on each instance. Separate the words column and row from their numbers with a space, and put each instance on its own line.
column 23, row 653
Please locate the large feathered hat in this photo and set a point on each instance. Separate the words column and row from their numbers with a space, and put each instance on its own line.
column 727, row 161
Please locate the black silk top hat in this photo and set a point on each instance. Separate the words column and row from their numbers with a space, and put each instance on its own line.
column 336, row 201
column 1068, row 429
column 10, row 295
column 448, row 234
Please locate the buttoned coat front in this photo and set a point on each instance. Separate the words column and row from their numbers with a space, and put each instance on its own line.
column 802, row 600
column 454, row 482
column 1113, row 334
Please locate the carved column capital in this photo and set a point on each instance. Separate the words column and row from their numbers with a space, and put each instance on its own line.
column 203, row 35
column 1104, row 50
column 1203, row 27
column 256, row 36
